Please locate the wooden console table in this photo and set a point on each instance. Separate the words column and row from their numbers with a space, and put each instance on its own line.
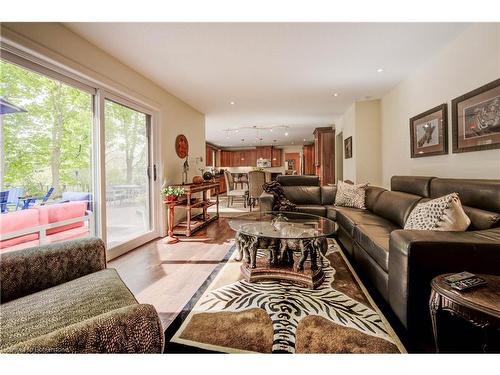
column 198, row 221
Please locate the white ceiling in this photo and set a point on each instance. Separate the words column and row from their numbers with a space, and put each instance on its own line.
column 278, row 74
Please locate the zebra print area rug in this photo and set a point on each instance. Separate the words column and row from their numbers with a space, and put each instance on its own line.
column 233, row 316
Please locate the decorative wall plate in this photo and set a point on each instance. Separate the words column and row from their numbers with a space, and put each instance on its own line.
column 181, row 146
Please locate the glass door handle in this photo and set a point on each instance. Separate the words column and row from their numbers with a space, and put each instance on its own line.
column 154, row 172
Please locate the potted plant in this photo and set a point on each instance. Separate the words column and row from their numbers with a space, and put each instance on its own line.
column 172, row 193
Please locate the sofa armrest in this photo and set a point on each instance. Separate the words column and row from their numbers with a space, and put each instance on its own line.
column 27, row 271
column 266, row 201
column 131, row 329
column 415, row 257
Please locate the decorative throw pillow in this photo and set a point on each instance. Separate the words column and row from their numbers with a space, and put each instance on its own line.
column 350, row 195
column 440, row 214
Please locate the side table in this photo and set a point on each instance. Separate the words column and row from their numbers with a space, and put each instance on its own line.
column 479, row 306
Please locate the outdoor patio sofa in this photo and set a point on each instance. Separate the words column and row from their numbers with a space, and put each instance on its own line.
column 44, row 219
column 61, row 298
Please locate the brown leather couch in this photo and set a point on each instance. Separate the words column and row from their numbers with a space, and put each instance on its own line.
column 401, row 263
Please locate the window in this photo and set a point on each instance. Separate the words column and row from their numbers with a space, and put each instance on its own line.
column 46, row 142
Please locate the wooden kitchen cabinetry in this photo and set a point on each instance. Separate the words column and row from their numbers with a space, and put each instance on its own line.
column 324, row 154
column 276, row 159
column 248, row 158
column 308, row 152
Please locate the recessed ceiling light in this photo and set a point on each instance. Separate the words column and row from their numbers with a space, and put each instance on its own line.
column 231, row 102
column 271, row 129
column 286, row 134
column 380, row 70
column 336, row 94
column 304, row 139
column 237, row 130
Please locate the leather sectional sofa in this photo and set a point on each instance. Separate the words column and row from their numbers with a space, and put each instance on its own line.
column 401, row 263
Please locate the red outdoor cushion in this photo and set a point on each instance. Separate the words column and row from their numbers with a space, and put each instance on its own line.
column 15, row 221
column 53, row 213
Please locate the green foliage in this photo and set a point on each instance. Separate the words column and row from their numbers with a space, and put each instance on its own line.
column 173, row 190
column 51, row 143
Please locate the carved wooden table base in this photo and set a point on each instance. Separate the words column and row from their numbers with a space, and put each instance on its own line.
column 296, row 261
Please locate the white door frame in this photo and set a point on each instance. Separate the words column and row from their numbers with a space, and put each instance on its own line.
column 154, row 188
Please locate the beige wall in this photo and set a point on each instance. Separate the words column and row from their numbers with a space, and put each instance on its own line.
column 174, row 116
column 361, row 121
column 348, row 126
column 470, row 61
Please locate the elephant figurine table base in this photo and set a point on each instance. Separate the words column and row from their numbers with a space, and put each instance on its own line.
column 296, row 261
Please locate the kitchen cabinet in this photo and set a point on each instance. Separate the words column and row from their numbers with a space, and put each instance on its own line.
column 226, row 158
column 264, row 152
column 210, row 153
column 308, row 151
column 276, row 157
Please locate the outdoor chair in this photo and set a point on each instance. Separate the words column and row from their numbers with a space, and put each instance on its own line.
column 4, row 195
column 13, row 199
column 28, row 202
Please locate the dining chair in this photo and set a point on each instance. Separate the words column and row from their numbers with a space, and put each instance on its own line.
column 256, row 180
column 231, row 192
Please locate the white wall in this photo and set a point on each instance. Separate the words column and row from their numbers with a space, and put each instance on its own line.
column 470, row 61
column 348, row 125
column 361, row 121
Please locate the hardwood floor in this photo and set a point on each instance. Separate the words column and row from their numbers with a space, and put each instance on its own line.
column 167, row 276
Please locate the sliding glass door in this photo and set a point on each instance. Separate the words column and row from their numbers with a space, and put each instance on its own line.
column 128, row 173
column 75, row 160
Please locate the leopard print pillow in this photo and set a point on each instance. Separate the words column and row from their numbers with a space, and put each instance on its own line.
column 440, row 214
column 350, row 195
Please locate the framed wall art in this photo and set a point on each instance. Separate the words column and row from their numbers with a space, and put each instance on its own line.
column 429, row 132
column 476, row 119
column 348, row 148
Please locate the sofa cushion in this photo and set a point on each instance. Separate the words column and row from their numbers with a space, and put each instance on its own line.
column 349, row 195
column 331, row 212
column 328, row 194
column 51, row 309
column 374, row 239
column 298, row 180
column 481, row 219
column 372, row 194
column 440, row 214
column 312, row 209
column 15, row 221
column 395, row 206
column 306, row 195
column 417, row 185
column 348, row 218
column 482, row 194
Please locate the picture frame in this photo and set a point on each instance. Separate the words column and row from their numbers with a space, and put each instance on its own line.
column 429, row 132
column 476, row 119
column 348, row 148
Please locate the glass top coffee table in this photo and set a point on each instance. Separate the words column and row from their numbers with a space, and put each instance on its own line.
column 295, row 243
